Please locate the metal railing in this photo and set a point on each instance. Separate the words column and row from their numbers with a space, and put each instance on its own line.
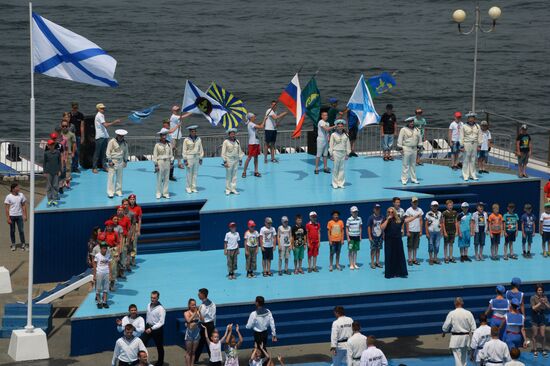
column 436, row 147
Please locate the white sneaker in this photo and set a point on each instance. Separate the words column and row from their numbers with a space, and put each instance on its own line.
column 235, row 192
column 158, row 196
column 194, row 190
column 415, row 181
column 188, row 190
column 167, row 196
column 404, row 183
column 341, row 187
column 475, row 178
column 466, row 179
column 227, row 193
column 12, row 247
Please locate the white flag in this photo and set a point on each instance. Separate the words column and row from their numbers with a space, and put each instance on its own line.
column 60, row 53
column 361, row 104
column 198, row 102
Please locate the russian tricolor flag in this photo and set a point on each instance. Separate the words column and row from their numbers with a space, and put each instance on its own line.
column 291, row 97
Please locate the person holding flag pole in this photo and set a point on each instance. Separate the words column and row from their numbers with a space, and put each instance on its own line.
column 50, row 55
column 270, row 128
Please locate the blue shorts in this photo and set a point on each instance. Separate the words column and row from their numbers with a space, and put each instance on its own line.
column 270, row 136
column 455, row 148
column 511, row 237
column 387, row 142
column 464, row 242
column 483, row 154
column 267, row 254
column 335, row 248
column 376, row 243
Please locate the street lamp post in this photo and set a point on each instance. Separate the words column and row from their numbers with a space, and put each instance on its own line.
column 459, row 16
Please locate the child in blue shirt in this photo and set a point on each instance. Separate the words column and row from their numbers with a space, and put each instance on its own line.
column 511, row 222
column 528, row 228
column 464, row 231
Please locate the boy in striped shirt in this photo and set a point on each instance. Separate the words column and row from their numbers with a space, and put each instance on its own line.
column 544, row 229
column 354, row 226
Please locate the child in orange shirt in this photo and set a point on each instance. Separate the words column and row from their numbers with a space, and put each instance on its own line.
column 335, row 238
column 495, row 230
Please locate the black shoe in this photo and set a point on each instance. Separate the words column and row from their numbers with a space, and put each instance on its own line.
column 173, row 179
column 105, row 306
column 99, row 305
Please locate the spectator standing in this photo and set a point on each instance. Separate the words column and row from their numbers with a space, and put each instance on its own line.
column 323, row 130
column 388, row 131
column 71, row 150
column 465, row 232
column 270, row 125
column 76, row 120
column 524, row 149
column 544, row 230
column 454, row 139
column 376, row 237
column 154, row 327
column 254, row 149
column 102, row 276
column 298, row 243
column 480, row 336
column 354, row 233
column 15, row 205
column 340, row 333
column 335, row 233
column 284, row 244
column 192, row 158
column 134, row 319
column 127, row 348
column 313, row 237
column 259, row 320
column 528, row 229
column 251, row 240
column 393, row 250
column 461, row 324
column 207, row 311
column 470, row 144
column 373, row 356
column 117, row 158
column 486, row 145
column 495, row 351
column 511, row 223
column 496, row 228
column 480, row 230
column 52, row 171
column 232, row 155
column 339, row 149
column 409, row 141
column 539, row 308
column 413, row 221
column 450, row 228
column 268, row 240
column 101, row 137
column 433, row 232
column 334, row 112
column 231, row 250
column 420, row 124
column 162, row 158
column 357, row 343
column 192, row 331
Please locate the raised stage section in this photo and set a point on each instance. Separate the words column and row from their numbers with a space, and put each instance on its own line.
column 193, row 221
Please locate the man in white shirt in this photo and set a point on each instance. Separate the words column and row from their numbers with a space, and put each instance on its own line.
column 15, row 205
column 414, row 231
column 340, row 333
column 192, row 158
column 323, row 131
column 268, row 240
column 470, row 144
column 454, row 139
column 253, row 143
column 117, row 158
column 132, row 318
column 232, row 155
column 373, row 356
column 127, row 348
column 481, row 336
column 495, row 352
column 176, row 135
column 154, row 327
column 461, row 324
column 101, row 138
column 259, row 320
column 409, row 141
column 270, row 122
column 357, row 343
column 207, row 315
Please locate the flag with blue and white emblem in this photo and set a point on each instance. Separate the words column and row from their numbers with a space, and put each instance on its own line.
column 139, row 116
column 198, row 102
column 361, row 104
column 60, row 53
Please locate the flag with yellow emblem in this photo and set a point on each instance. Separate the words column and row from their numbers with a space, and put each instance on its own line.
column 236, row 111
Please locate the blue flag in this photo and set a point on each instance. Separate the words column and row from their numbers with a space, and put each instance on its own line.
column 139, row 116
column 361, row 104
column 380, row 84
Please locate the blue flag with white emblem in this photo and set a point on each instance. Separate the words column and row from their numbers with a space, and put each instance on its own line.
column 198, row 102
column 361, row 104
column 139, row 116
column 60, row 53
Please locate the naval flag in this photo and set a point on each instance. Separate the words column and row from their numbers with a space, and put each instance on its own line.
column 140, row 116
column 198, row 102
column 60, row 53
column 291, row 97
column 361, row 104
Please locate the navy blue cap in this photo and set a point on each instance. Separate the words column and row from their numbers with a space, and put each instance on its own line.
column 332, row 100
column 501, row 289
column 516, row 281
column 515, row 302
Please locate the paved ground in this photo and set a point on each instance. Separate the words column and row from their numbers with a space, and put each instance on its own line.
column 59, row 338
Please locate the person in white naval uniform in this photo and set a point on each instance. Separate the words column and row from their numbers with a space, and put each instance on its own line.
column 495, row 352
column 232, row 155
column 339, row 149
column 259, row 320
column 460, row 323
column 340, row 332
column 207, row 316
column 470, row 142
column 357, row 343
column 373, row 356
column 127, row 348
column 192, row 157
column 132, row 318
column 409, row 142
column 162, row 157
column 481, row 336
column 117, row 157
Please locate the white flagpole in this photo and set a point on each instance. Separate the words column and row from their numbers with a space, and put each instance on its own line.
column 29, row 328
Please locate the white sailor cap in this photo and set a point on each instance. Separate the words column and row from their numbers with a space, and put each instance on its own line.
column 192, row 127
column 471, row 114
column 409, row 119
column 340, row 122
column 163, row 131
column 231, row 130
column 121, row 132
column 249, row 115
column 465, row 204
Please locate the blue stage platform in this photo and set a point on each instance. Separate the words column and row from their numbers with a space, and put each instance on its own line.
column 286, row 188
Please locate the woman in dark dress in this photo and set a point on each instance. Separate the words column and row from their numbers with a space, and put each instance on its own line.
column 395, row 263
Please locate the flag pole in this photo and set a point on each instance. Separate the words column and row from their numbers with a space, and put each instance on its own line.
column 277, row 101
column 29, row 327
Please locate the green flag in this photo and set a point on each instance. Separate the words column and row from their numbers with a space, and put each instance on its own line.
column 312, row 99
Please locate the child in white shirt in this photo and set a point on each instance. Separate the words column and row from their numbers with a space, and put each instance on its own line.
column 231, row 249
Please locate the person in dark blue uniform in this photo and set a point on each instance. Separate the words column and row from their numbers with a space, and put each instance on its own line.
column 395, row 263
column 514, row 329
column 498, row 307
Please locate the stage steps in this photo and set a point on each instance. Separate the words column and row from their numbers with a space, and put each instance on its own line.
column 170, row 227
column 15, row 317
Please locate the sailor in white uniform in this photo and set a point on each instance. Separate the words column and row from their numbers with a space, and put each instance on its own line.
column 339, row 149
column 373, row 356
column 481, row 336
column 470, row 142
column 162, row 157
column 495, row 352
column 192, row 157
column 232, row 155
column 357, row 343
column 409, row 142
column 460, row 323
column 117, row 157
column 341, row 331
column 132, row 318
column 127, row 348
column 259, row 320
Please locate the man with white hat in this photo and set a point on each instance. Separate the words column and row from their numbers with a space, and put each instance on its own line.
column 470, row 143
column 192, row 158
column 162, row 157
column 232, row 155
column 101, row 137
column 409, row 141
column 339, row 149
column 117, row 157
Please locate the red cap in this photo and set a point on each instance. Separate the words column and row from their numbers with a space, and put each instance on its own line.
column 458, row 115
column 231, row 224
column 251, row 223
column 53, row 135
column 132, row 196
column 122, row 207
column 51, row 142
column 109, row 223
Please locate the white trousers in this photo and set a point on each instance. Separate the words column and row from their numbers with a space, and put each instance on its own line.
column 469, row 163
column 409, row 164
column 231, row 175
column 460, row 355
column 192, row 172
column 114, row 179
column 341, row 357
column 163, row 176
column 338, row 169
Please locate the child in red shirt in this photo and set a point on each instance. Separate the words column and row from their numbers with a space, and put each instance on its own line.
column 313, row 237
column 547, row 191
column 495, row 230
